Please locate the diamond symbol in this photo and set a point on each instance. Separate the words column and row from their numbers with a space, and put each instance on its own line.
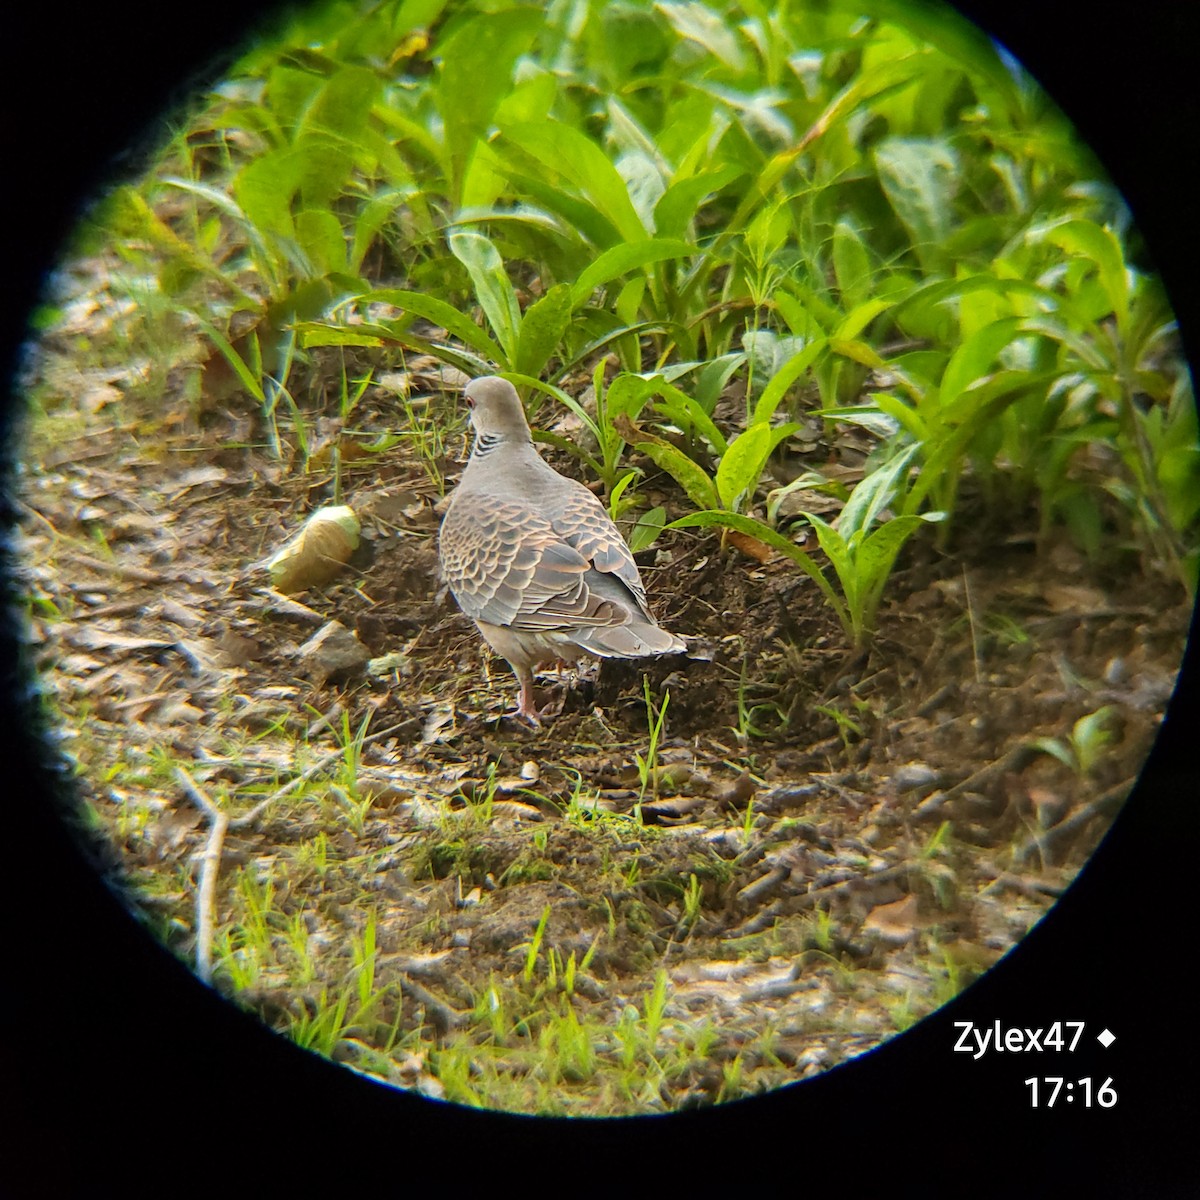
column 1105, row 1038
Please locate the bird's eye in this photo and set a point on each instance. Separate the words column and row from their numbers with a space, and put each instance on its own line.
column 470, row 401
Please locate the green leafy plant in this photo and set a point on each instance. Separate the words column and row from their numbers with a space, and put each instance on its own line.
column 646, row 764
column 1082, row 750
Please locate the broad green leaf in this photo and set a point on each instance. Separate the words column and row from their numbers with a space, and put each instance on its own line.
column 542, row 329
column 421, row 304
column 645, row 532
column 319, row 234
column 629, row 299
column 766, row 352
column 880, row 82
column 841, row 558
column 626, row 133
column 971, row 408
column 697, row 22
column 413, row 16
column 943, row 458
column 643, row 182
column 712, row 378
column 627, row 396
column 774, row 392
column 290, row 89
column 619, row 489
column 321, row 333
column 871, row 417
column 689, row 475
column 370, row 220
column 801, row 320
column 493, row 289
column 831, row 542
column 876, row 554
column 311, row 299
column 607, row 339
column 851, row 266
column 810, row 481
column 920, row 178
column 264, row 189
column 963, row 42
column 941, row 292
column 587, row 227
column 476, row 73
column 744, row 459
column 1088, row 353
column 678, row 205
column 859, row 318
column 904, row 415
column 859, row 352
column 532, row 96
column 213, row 195
column 874, row 493
column 975, row 357
column 568, row 154
column 1099, row 244
column 620, row 260
column 1056, row 749
column 331, row 133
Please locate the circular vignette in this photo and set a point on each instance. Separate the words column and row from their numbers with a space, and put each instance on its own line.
column 1070, row 955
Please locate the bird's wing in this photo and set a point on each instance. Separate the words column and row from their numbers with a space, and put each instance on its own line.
column 584, row 524
column 507, row 565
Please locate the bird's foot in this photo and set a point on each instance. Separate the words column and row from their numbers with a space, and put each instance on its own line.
column 526, row 709
column 531, row 717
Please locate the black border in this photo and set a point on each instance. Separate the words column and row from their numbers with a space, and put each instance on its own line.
column 115, row 1058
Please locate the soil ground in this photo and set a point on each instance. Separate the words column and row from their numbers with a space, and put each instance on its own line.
column 821, row 848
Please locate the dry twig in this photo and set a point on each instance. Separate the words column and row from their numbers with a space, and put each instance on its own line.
column 210, row 864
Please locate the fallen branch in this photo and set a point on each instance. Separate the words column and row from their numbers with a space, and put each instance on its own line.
column 1014, row 760
column 210, row 865
column 883, row 875
column 443, row 1018
column 1107, row 804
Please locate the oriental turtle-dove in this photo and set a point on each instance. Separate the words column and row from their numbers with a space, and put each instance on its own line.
column 533, row 558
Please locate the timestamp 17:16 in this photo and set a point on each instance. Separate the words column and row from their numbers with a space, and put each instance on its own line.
column 1046, row 1092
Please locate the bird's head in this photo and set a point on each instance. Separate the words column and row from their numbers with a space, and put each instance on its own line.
column 496, row 410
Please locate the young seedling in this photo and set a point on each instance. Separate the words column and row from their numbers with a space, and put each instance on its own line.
column 1081, row 751
column 647, row 775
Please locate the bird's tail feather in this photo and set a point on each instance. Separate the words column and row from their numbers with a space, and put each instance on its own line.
column 634, row 639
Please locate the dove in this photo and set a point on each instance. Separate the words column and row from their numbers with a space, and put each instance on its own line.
column 533, row 557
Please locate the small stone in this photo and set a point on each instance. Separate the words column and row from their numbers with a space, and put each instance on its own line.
column 333, row 653
column 1116, row 672
column 915, row 776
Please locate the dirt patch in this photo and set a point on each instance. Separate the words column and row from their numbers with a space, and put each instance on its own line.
column 821, row 848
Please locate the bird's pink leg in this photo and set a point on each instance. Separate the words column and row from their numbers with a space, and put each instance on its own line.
column 526, row 707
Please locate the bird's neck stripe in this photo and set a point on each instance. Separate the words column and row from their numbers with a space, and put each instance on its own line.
column 485, row 443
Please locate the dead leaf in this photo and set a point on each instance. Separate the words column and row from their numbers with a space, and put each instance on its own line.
column 1074, row 598
column 318, row 552
column 197, row 477
column 441, row 715
column 672, row 811
column 92, row 637
column 895, row 923
column 737, row 795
